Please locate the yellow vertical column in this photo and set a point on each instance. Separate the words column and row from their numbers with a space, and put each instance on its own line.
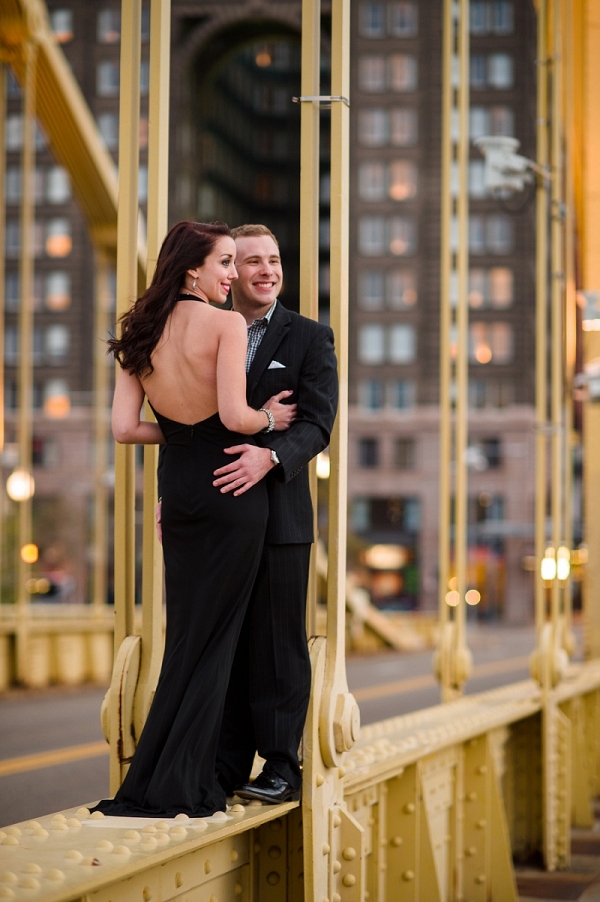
column 127, row 290
column 121, row 696
column 590, row 278
column 25, row 374
column 100, row 524
column 158, row 198
column 2, row 294
column 339, row 712
column 309, row 220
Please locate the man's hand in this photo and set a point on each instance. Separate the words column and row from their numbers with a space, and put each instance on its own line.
column 158, row 514
column 240, row 475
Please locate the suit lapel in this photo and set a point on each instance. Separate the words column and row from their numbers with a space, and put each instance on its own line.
column 276, row 330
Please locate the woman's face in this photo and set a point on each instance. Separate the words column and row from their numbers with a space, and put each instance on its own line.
column 218, row 271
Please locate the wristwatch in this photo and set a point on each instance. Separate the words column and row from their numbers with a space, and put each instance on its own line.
column 274, row 459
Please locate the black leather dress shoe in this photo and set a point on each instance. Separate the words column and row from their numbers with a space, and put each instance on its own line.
column 268, row 787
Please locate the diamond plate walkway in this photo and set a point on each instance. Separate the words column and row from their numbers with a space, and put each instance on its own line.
column 581, row 883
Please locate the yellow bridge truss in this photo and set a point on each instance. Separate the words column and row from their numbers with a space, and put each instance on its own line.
column 430, row 806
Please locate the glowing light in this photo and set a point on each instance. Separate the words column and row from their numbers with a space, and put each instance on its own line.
column 42, row 586
column 20, row 485
column 452, row 582
column 30, row 553
column 483, row 354
column 473, row 597
column 452, row 598
column 59, row 245
column 323, row 465
column 563, row 562
column 57, row 407
column 385, row 557
column 263, row 59
column 591, row 325
column 548, row 565
column 398, row 246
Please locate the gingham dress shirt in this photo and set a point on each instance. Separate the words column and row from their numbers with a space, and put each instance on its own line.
column 256, row 332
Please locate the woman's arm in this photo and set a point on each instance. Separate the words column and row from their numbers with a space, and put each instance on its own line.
column 231, row 380
column 127, row 427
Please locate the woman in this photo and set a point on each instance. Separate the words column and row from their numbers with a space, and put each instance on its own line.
column 188, row 358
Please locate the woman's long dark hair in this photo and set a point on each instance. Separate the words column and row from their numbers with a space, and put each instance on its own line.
column 186, row 247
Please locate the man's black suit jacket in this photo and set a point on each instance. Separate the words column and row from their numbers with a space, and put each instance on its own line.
column 296, row 353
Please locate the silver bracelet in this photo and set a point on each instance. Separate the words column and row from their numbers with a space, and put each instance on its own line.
column 271, row 418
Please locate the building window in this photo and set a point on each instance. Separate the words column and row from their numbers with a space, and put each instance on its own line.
column 57, row 294
column 402, row 394
column 500, row 71
column 368, row 453
column 492, row 234
column 490, row 393
column 44, row 452
column 107, row 79
column 13, row 89
column 403, row 127
column 404, row 453
column 491, row 288
column 371, row 395
column 372, row 20
column 502, row 121
column 11, row 345
column 477, row 186
column 371, row 181
column 11, row 291
column 57, row 400
column 58, row 238
column 13, row 184
column 403, row 72
column 371, row 290
column 12, row 238
column 502, row 17
column 403, row 20
column 109, row 26
column 490, row 343
column 57, row 341
column 14, row 131
column 373, row 127
column 108, row 123
column 491, row 17
column 402, row 235
column 477, row 70
column 401, row 289
column 61, row 22
column 402, row 180
column 402, row 343
column 58, row 185
column 371, row 344
column 142, row 184
column 371, row 236
column 371, row 73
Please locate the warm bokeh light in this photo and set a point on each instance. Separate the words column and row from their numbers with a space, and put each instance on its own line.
column 59, row 245
column 323, row 465
column 548, row 565
column 263, row 59
column 20, row 485
column 398, row 246
column 563, row 563
column 30, row 553
column 452, row 599
column 57, row 407
column 483, row 353
column 473, row 597
column 385, row 557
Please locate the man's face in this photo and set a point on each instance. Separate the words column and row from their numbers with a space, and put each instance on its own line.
column 258, row 265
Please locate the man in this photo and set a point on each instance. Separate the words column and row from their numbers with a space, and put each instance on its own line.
column 269, row 686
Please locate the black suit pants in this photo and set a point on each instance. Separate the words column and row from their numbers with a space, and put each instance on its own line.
column 269, row 687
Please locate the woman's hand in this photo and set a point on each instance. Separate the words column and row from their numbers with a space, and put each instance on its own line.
column 284, row 414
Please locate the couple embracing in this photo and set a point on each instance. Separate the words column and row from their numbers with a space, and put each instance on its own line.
column 243, row 399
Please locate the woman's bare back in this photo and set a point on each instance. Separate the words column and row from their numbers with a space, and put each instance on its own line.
column 183, row 384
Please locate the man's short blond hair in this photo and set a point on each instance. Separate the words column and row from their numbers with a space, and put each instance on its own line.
column 253, row 230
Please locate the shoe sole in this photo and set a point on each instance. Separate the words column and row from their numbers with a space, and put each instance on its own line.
column 257, row 797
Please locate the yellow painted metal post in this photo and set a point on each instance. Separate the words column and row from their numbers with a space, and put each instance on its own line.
column 101, row 408
column 2, row 296
column 158, row 198
column 309, row 221
column 25, row 374
column 339, row 712
column 127, row 285
column 120, row 699
column 590, row 281
column 445, row 492
column 452, row 662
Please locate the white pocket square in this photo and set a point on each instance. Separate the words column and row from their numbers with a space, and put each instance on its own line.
column 275, row 365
